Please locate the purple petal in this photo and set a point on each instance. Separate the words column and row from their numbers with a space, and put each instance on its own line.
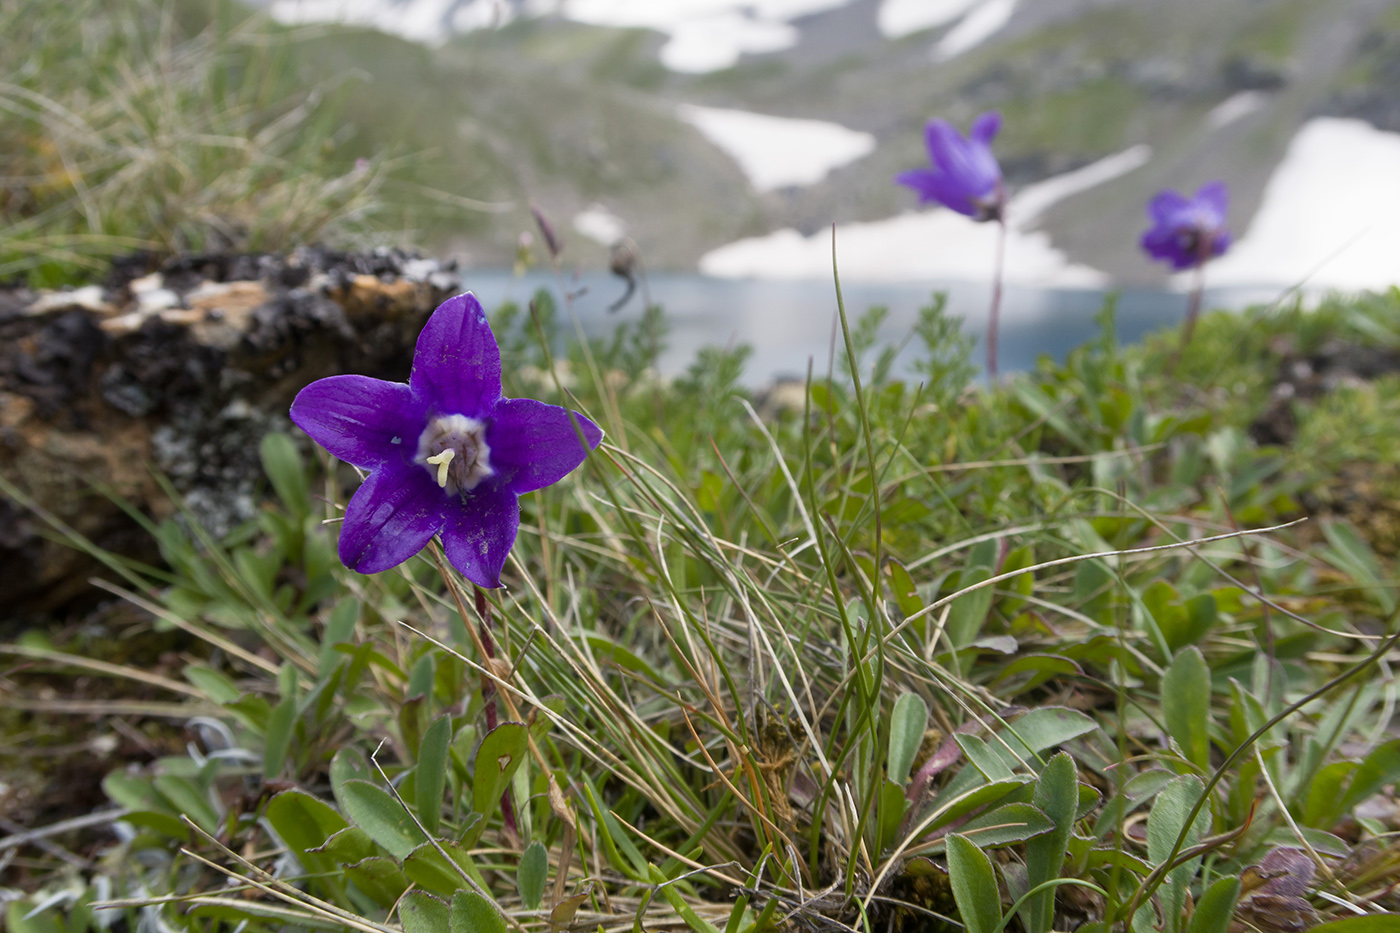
column 969, row 165
column 935, row 187
column 1163, row 243
column 457, row 366
column 390, row 517
column 479, row 532
column 534, row 444
column 985, row 127
column 1215, row 196
column 357, row 418
column 1166, row 206
column 1221, row 243
column 943, row 141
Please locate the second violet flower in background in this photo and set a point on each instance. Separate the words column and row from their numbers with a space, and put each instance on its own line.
column 446, row 453
column 1187, row 233
column 966, row 178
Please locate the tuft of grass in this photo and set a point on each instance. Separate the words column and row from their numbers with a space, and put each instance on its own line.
column 129, row 127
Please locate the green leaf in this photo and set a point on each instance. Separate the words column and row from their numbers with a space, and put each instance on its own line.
column 348, row 764
column 1006, row 824
column 1164, row 824
column 1046, row 727
column 1057, row 796
column 531, row 875
column 162, row 823
column 907, row 725
column 427, row 868
column 1186, row 705
column 304, row 824
column 431, row 774
column 340, row 628
column 381, row 816
column 278, row 737
column 420, row 678
column 423, row 913
column 1040, row 668
column 379, row 877
column 213, row 684
column 985, row 758
column 890, row 813
column 1350, row 554
column 472, row 913
column 502, row 749
column 286, row 472
column 1380, row 767
column 970, row 800
column 133, row 793
column 1323, row 843
column 1216, row 908
column 190, row 799
column 1325, row 799
column 350, row 844
column 967, row 614
column 1375, row 923
column 1115, row 858
column 906, row 594
column 974, row 884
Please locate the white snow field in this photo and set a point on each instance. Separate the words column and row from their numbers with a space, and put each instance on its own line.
column 778, row 152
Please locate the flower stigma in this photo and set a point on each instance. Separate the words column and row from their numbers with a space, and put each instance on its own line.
column 453, row 449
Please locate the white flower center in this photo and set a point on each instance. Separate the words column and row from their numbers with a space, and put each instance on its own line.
column 453, row 450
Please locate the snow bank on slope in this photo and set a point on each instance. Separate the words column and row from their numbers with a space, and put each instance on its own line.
column 778, row 152
column 1331, row 211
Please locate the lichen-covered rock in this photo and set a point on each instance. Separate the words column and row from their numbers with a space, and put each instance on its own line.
column 178, row 370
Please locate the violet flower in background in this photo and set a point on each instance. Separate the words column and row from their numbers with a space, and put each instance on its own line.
column 445, row 452
column 1187, row 232
column 965, row 176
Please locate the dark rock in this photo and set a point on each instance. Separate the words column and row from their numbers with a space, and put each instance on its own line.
column 95, row 396
column 1241, row 73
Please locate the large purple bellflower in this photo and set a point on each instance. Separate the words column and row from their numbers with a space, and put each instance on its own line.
column 965, row 175
column 1188, row 231
column 446, row 453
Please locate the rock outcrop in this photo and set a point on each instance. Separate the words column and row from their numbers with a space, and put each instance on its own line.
column 177, row 371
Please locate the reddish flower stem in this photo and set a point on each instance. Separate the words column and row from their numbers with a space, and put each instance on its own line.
column 994, row 317
column 488, row 693
column 1193, row 307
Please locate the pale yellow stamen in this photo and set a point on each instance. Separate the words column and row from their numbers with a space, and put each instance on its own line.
column 442, row 461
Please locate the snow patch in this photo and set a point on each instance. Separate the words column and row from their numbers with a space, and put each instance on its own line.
column 427, row 21
column 1330, row 212
column 1033, row 200
column 778, row 152
column 704, row 35
column 935, row 244
column 975, row 28
column 600, row 224
column 898, row 18
column 1235, row 107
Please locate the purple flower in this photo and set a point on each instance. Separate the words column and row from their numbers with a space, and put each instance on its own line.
column 445, row 452
column 1187, row 231
column 965, row 175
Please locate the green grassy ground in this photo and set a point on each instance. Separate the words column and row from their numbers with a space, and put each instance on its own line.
column 1073, row 652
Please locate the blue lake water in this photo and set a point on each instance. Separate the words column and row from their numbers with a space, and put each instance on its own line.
column 789, row 322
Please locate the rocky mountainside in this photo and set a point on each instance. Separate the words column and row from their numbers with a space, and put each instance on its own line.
column 562, row 106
